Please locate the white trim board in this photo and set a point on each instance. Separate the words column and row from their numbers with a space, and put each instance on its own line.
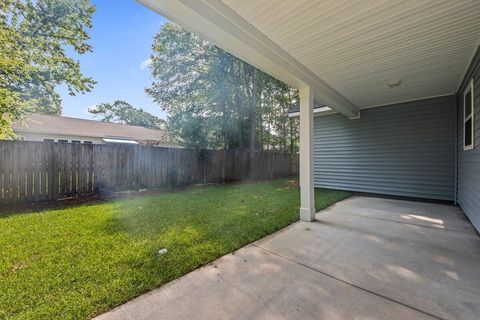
column 327, row 112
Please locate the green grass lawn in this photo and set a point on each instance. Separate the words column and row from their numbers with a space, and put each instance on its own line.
column 77, row 262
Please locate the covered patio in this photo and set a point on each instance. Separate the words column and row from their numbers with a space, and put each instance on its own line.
column 388, row 105
column 363, row 258
column 383, row 86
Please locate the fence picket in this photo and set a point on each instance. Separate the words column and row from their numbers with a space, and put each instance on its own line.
column 2, row 170
column 22, row 163
column 15, row 173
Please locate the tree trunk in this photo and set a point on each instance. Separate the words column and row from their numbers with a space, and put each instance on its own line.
column 240, row 119
column 253, row 123
column 225, row 146
column 284, row 127
column 292, row 139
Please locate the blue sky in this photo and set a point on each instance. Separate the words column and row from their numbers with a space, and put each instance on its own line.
column 121, row 36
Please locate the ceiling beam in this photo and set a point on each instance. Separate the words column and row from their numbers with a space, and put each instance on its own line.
column 216, row 22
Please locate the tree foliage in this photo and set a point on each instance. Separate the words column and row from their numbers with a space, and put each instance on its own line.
column 122, row 112
column 35, row 36
column 214, row 99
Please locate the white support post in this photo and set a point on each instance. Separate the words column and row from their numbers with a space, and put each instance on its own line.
column 307, row 194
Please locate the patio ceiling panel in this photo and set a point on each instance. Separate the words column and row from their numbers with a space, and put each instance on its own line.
column 359, row 46
column 215, row 21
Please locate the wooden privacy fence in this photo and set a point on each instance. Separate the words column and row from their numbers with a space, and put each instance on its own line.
column 44, row 171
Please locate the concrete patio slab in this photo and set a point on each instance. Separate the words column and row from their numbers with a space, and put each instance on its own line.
column 364, row 258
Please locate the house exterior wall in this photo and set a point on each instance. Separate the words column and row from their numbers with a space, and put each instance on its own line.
column 405, row 149
column 30, row 136
column 468, row 181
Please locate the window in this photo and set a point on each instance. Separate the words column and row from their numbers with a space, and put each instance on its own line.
column 75, row 141
column 48, row 140
column 468, row 117
column 88, row 142
column 62, row 141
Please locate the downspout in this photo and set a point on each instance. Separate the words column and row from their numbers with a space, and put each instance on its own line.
column 456, row 151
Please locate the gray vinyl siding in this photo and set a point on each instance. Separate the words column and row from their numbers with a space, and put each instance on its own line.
column 406, row 149
column 468, row 182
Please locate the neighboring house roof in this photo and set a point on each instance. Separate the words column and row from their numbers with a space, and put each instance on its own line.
column 38, row 123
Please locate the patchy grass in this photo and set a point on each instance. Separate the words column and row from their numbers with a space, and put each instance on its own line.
column 77, row 262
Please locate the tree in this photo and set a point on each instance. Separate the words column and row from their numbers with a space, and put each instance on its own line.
column 122, row 112
column 253, row 120
column 34, row 39
column 179, row 66
column 207, row 91
column 192, row 130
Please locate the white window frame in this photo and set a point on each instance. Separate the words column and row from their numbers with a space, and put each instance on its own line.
column 472, row 116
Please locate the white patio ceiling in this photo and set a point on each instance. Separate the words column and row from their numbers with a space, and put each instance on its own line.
column 358, row 46
column 348, row 49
